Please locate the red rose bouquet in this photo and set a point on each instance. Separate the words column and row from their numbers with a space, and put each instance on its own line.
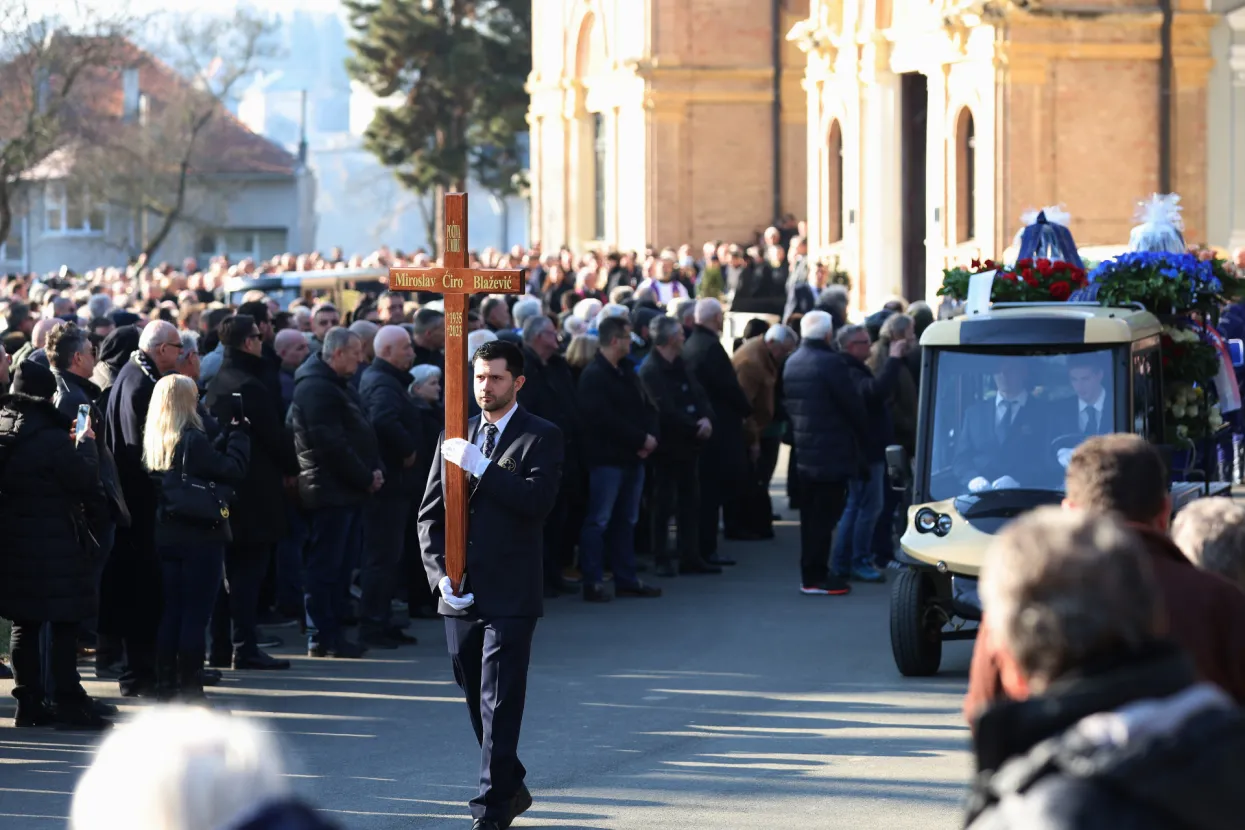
column 1028, row 281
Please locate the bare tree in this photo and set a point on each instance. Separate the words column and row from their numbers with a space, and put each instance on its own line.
column 172, row 161
column 48, row 52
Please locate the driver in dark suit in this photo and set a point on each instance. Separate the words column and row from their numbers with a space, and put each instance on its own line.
column 514, row 463
column 1002, row 440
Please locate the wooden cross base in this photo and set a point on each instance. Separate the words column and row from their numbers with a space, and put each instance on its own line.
column 455, row 281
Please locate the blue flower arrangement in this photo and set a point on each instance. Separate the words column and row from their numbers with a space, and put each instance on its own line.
column 1165, row 283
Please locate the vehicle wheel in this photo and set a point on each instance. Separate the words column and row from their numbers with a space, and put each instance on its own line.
column 916, row 634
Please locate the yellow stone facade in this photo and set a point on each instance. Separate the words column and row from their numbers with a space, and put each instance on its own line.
column 933, row 125
column 652, row 121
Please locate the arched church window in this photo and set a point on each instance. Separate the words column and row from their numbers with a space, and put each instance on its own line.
column 965, row 177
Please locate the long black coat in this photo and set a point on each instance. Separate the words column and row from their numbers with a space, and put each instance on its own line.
column 708, row 361
column 681, row 403
column 125, row 418
column 399, row 428
column 507, row 509
column 337, row 448
column 49, row 498
column 257, row 515
column 549, row 391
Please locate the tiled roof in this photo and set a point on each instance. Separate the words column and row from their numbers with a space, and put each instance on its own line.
column 226, row 146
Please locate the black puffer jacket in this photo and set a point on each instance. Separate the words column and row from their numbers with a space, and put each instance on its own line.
column 223, row 463
column 50, row 498
column 398, row 426
column 337, row 448
column 829, row 422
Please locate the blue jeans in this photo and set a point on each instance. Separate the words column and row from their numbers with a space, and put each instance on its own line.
column 191, row 579
column 613, row 509
column 853, row 541
column 336, row 536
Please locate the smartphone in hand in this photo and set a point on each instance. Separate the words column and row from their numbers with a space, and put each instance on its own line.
column 84, row 421
column 239, row 413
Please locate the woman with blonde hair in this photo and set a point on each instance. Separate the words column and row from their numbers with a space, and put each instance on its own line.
column 581, row 351
column 181, row 457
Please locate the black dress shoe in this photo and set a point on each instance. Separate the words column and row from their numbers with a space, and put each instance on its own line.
column 720, row 560
column 637, row 590
column 700, row 566
column 220, row 661
column 377, row 639
column 519, row 805
column 401, row 637
column 485, row 824
column 595, row 593
column 212, row 677
column 344, row 651
column 259, row 662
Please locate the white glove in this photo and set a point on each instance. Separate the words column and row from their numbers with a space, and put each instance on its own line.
column 465, row 454
column 979, row 485
column 1064, row 456
column 447, row 593
column 1005, row 483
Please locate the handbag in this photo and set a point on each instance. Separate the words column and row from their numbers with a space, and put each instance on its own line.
column 194, row 501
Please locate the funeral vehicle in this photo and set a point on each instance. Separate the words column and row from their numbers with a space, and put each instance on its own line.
column 343, row 287
column 1006, row 395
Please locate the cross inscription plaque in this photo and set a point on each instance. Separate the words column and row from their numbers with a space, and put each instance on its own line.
column 455, row 281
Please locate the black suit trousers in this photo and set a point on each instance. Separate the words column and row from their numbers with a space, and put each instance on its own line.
column 490, row 660
column 676, row 492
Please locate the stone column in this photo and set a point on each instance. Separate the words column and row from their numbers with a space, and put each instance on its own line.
column 935, row 182
column 1234, row 162
column 881, row 213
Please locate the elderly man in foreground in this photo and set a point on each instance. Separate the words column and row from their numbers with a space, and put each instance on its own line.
column 1108, row 724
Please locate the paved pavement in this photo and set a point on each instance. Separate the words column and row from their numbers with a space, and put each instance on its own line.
column 732, row 702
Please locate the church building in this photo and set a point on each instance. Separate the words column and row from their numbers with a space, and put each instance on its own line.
column 934, row 125
column 910, row 134
column 664, row 121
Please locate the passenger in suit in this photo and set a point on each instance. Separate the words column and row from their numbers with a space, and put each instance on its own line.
column 1092, row 414
column 514, row 463
column 1003, row 441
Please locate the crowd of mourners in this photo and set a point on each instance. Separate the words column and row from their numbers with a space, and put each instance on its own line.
column 137, row 396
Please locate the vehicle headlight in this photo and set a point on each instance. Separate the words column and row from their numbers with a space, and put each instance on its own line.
column 943, row 526
column 926, row 520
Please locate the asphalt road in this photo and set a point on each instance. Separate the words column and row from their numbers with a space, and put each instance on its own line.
column 732, row 702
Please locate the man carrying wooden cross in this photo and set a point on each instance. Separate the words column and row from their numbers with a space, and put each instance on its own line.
column 488, row 570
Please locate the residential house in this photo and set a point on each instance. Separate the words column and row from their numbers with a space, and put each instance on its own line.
column 81, row 207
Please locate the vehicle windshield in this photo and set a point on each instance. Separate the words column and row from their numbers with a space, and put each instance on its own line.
column 1011, row 421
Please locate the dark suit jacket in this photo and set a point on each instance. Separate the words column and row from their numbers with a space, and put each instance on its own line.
column 978, row 452
column 506, row 518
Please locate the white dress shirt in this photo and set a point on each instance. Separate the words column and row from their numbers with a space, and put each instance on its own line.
column 1097, row 406
column 501, row 427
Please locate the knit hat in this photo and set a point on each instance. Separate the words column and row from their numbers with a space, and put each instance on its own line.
column 118, row 346
column 34, row 380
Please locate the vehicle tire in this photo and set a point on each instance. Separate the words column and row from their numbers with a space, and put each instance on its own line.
column 915, row 641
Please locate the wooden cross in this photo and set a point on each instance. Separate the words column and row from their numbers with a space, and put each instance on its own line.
column 455, row 281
